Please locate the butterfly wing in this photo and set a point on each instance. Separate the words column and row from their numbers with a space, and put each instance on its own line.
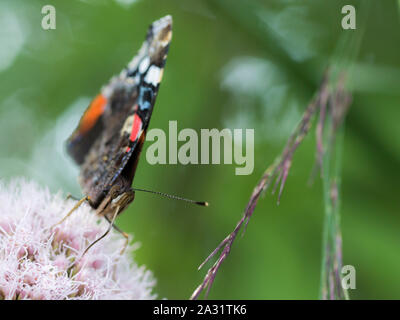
column 111, row 133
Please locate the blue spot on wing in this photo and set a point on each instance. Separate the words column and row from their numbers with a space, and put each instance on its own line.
column 145, row 98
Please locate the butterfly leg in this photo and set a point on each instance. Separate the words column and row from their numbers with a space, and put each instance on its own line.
column 105, row 233
column 76, row 206
column 123, row 233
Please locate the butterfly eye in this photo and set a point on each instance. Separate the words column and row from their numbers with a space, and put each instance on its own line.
column 114, row 191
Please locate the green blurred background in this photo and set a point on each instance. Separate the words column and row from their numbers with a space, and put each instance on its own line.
column 235, row 64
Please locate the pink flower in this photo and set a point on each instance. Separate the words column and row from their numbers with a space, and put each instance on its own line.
column 37, row 262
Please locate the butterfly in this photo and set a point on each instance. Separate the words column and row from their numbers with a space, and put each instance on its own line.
column 110, row 135
column 109, row 138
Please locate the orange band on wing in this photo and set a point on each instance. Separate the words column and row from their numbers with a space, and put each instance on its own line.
column 93, row 113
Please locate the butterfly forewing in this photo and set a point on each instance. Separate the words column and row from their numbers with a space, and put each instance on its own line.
column 110, row 135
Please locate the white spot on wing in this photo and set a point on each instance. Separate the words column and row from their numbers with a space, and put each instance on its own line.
column 144, row 65
column 128, row 125
column 153, row 75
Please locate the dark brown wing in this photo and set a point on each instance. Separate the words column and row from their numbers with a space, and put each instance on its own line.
column 111, row 133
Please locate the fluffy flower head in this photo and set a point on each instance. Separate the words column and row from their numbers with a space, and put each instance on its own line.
column 38, row 262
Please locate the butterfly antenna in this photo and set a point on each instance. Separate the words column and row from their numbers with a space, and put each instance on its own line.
column 200, row 203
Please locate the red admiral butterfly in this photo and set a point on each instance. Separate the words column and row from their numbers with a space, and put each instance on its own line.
column 109, row 138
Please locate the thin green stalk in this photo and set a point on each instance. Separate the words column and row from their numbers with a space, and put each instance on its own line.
column 333, row 136
column 332, row 252
column 331, row 171
column 338, row 173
